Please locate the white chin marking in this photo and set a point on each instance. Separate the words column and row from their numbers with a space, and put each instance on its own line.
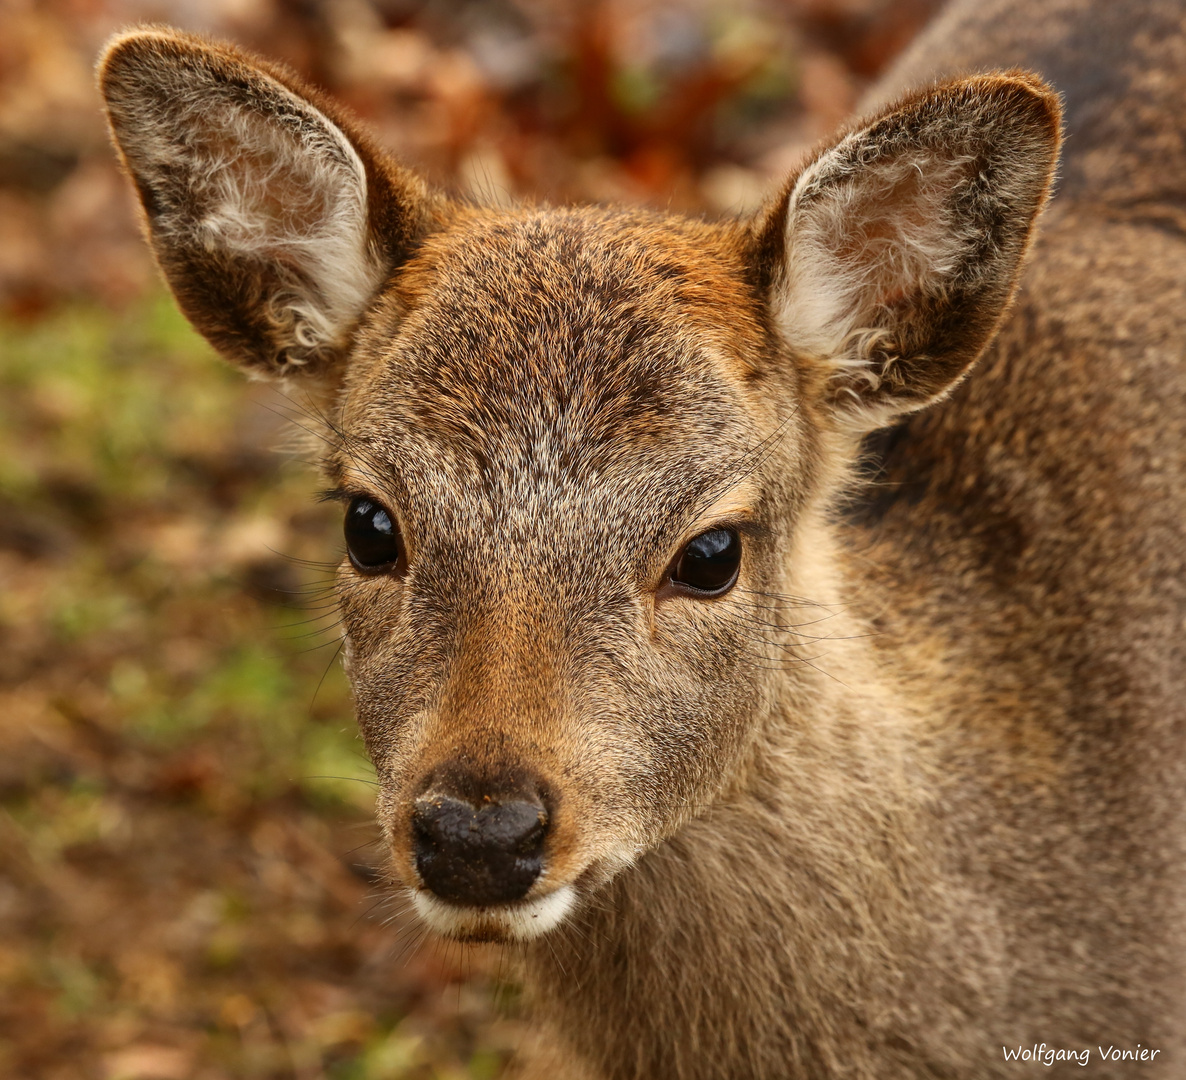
column 518, row 922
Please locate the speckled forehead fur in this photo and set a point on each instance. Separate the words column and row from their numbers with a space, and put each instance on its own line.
column 543, row 354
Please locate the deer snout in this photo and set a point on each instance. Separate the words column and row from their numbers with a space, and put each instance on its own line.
column 486, row 854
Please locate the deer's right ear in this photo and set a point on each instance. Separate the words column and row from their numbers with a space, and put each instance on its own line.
column 893, row 256
column 273, row 221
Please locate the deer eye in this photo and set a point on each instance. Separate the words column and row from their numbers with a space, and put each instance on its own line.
column 372, row 537
column 709, row 562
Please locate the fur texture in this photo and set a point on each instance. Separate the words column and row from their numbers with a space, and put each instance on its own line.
column 910, row 792
column 258, row 203
column 904, row 230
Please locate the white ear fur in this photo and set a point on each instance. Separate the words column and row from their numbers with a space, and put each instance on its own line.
column 286, row 190
column 256, row 200
column 901, row 245
column 861, row 238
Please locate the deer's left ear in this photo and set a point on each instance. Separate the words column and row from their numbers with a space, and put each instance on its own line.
column 274, row 219
column 894, row 254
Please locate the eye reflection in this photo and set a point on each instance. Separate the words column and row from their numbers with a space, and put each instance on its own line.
column 372, row 537
column 709, row 563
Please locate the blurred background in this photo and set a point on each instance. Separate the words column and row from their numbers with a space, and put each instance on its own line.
column 189, row 881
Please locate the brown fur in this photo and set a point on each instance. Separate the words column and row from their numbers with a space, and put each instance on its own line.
column 912, row 790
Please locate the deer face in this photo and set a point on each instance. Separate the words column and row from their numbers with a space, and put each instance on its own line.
column 551, row 448
column 582, row 453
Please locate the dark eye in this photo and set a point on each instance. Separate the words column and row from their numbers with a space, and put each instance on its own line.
column 372, row 538
column 709, row 563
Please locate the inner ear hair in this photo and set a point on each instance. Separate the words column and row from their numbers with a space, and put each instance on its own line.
column 895, row 252
column 274, row 219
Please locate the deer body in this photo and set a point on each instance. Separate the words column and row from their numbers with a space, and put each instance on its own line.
column 903, row 791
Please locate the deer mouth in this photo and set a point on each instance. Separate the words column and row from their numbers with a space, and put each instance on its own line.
column 521, row 920
column 493, row 862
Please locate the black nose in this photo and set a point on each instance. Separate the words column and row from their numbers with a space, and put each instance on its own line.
column 489, row 854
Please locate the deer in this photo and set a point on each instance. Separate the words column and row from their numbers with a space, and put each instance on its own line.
column 768, row 631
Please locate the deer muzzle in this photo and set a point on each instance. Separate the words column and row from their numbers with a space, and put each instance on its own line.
column 485, row 854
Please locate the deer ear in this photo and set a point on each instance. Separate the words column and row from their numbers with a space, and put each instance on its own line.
column 894, row 254
column 273, row 221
